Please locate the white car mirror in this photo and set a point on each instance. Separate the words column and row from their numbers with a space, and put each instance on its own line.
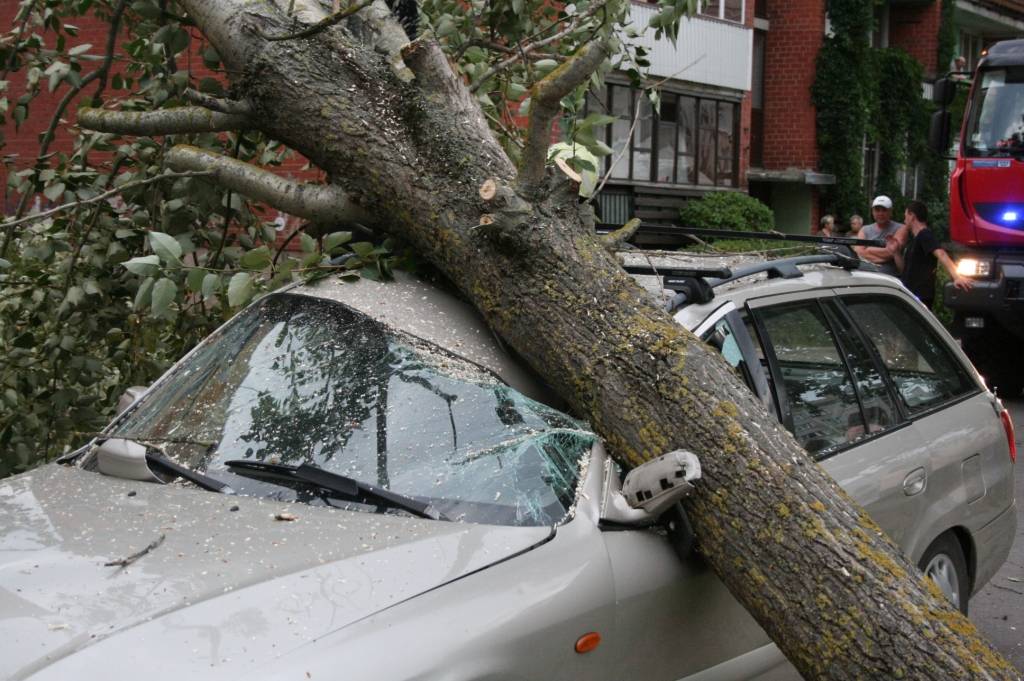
column 124, row 459
column 652, row 488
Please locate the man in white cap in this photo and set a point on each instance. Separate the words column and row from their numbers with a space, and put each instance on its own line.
column 882, row 228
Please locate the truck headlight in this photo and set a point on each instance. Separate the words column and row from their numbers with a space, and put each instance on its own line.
column 972, row 267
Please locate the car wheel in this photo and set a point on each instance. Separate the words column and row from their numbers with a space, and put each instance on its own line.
column 945, row 565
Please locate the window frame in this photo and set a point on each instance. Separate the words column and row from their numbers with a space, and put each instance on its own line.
column 611, row 91
column 720, row 16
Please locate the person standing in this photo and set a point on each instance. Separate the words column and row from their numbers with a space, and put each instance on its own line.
column 826, row 226
column 894, row 234
column 856, row 224
column 917, row 260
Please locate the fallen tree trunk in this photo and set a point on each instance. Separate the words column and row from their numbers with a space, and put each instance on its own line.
column 823, row 580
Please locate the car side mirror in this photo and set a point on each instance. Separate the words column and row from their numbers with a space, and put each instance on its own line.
column 129, row 396
column 938, row 132
column 944, row 92
column 652, row 488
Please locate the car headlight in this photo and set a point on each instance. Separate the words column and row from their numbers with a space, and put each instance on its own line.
column 972, row 267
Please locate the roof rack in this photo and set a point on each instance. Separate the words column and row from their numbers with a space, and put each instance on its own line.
column 681, row 235
column 697, row 285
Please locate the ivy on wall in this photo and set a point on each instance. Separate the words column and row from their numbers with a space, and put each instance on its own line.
column 875, row 95
column 841, row 91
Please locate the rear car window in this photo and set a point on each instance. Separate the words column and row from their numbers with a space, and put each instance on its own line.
column 817, row 387
column 921, row 366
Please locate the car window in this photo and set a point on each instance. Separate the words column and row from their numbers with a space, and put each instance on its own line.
column 296, row 379
column 920, row 365
column 878, row 407
column 812, row 379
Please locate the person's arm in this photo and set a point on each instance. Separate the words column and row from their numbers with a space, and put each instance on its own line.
column 961, row 282
column 875, row 254
column 895, row 247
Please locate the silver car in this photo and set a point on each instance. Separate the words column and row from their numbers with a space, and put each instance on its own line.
column 357, row 481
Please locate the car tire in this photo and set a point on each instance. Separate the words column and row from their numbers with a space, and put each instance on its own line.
column 944, row 563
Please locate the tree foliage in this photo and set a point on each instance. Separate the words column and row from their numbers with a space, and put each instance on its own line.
column 106, row 294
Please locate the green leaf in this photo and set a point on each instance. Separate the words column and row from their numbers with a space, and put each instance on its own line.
column 166, row 247
column 211, row 285
column 308, row 243
column 239, row 289
column 194, row 279
column 75, row 296
column 144, row 294
column 143, row 265
column 4, row 264
column 164, row 292
column 54, row 191
column 363, row 249
column 335, row 239
column 256, row 259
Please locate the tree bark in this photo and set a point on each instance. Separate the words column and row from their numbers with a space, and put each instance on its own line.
column 823, row 580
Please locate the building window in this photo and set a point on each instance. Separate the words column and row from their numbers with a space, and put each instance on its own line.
column 728, row 10
column 692, row 140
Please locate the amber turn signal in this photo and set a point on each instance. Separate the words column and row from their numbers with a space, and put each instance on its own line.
column 587, row 642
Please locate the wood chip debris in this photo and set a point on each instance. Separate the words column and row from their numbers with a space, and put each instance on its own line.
column 128, row 560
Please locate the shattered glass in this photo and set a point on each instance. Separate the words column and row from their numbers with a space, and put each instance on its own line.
column 297, row 379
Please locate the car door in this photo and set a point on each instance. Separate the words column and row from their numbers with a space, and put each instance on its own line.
column 835, row 399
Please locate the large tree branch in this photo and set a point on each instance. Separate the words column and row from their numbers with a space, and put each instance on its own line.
column 182, row 120
column 317, row 202
column 545, row 105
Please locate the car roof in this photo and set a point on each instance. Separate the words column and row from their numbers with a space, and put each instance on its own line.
column 429, row 312
column 815, row 276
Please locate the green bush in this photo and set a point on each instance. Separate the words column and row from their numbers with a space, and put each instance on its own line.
column 728, row 210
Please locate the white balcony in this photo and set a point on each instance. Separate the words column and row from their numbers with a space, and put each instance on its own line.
column 710, row 52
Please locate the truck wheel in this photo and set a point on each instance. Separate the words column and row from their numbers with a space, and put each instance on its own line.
column 944, row 564
column 993, row 354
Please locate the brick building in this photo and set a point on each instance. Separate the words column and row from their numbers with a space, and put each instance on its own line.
column 736, row 111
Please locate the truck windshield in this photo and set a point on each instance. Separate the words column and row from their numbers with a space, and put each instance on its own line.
column 296, row 379
column 996, row 126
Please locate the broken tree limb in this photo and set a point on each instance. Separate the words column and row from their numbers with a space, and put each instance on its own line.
column 322, row 203
column 614, row 240
column 545, row 107
column 181, row 120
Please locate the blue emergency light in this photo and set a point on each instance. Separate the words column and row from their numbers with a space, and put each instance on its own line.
column 1010, row 216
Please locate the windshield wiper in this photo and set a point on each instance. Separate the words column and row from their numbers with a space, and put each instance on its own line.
column 341, row 485
column 157, row 459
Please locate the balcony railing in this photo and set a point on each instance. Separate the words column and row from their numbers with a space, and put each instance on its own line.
column 710, row 52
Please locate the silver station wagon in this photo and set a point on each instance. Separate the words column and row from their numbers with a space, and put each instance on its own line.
column 357, row 481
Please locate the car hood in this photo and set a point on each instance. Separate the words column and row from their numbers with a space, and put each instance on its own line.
column 229, row 583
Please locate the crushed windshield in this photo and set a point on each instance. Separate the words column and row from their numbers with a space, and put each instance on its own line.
column 996, row 126
column 297, row 379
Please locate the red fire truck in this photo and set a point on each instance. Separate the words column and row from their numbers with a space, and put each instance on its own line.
column 986, row 213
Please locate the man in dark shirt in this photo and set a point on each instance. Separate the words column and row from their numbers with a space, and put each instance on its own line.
column 916, row 262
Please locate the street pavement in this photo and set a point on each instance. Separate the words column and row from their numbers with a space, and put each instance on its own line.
column 998, row 609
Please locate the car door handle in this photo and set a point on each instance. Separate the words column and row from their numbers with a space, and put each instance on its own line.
column 914, row 482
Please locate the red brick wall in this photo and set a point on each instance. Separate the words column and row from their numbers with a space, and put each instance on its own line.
column 22, row 145
column 916, row 30
column 795, row 35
